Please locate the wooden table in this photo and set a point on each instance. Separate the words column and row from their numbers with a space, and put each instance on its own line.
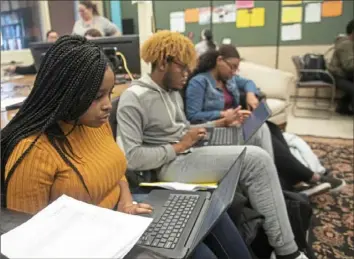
column 22, row 87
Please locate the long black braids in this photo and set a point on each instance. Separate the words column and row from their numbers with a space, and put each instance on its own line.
column 66, row 84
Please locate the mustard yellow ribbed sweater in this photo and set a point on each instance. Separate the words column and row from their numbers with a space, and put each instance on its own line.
column 43, row 176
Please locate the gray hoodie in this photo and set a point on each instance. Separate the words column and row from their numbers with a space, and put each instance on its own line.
column 150, row 119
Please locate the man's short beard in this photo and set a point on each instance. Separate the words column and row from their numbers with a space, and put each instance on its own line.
column 167, row 82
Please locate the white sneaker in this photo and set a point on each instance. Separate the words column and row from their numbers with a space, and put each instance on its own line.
column 301, row 256
column 315, row 189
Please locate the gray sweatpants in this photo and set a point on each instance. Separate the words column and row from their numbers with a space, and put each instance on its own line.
column 258, row 176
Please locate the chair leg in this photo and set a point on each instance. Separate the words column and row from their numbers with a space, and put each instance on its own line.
column 326, row 109
column 316, row 97
column 295, row 101
column 333, row 96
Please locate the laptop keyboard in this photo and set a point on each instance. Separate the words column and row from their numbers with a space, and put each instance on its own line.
column 167, row 230
column 223, row 136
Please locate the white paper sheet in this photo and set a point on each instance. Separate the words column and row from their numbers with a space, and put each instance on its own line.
column 291, row 32
column 224, row 13
column 226, row 41
column 313, row 13
column 181, row 186
column 204, row 15
column 177, row 22
column 68, row 228
column 10, row 101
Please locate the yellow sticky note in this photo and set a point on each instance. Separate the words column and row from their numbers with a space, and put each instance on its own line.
column 332, row 8
column 291, row 14
column 258, row 17
column 243, row 18
column 291, row 2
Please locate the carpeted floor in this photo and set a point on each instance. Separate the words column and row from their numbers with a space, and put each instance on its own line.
column 332, row 234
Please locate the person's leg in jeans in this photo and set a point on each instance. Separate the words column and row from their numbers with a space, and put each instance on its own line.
column 276, row 132
column 291, row 171
column 229, row 241
column 262, row 138
column 258, row 176
column 202, row 251
column 347, row 86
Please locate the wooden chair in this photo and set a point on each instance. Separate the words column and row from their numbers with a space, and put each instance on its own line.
column 315, row 84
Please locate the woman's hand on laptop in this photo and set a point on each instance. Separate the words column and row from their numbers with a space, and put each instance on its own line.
column 136, row 208
column 252, row 101
column 243, row 114
column 189, row 139
column 227, row 113
column 233, row 117
column 237, row 118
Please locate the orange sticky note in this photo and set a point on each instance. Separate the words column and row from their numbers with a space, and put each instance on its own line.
column 191, row 15
column 332, row 8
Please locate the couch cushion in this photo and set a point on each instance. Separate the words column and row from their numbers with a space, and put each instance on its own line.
column 279, row 119
column 276, row 105
column 273, row 82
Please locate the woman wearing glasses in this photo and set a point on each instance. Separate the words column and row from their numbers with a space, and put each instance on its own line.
column 213, row 92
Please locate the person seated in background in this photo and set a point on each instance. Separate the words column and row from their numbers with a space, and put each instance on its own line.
column 206, row 43
column 155, row 135
column 92, row 33
column 60, row 142
column 213, row 91
column 342, row 68
column 90, row 18
column 51, row 36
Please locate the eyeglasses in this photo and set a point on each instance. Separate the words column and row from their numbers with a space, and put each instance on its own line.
column 233, row 67
column 182, row 66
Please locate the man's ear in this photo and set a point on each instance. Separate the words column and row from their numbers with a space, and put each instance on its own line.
column 161, row 66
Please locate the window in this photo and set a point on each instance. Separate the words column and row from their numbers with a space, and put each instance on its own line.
column 20, row 24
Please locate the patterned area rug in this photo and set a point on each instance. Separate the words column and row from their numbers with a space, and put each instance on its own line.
column 332, row 234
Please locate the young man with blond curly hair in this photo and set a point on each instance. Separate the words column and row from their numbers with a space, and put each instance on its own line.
column 155, row 135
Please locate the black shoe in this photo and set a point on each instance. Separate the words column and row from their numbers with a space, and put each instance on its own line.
column 336, row 184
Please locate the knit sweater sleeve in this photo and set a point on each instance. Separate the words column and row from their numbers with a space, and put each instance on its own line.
column 30, row 184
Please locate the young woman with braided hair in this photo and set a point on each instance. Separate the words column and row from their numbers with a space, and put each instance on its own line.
column 60, row 141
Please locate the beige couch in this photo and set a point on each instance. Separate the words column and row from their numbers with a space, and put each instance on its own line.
column 276, row 85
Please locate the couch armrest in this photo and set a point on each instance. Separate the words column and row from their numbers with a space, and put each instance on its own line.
column 273, row 82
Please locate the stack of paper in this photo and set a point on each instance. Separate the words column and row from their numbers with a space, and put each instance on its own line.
column 68, row 228
column 181, row 186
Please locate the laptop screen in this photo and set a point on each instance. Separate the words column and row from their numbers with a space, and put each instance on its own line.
column 221, row 199
column 255, row 120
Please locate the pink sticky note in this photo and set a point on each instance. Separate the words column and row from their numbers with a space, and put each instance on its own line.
column 244, row 4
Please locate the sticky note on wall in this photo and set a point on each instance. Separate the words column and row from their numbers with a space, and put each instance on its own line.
column 257, row 17
column 243, row 18
column 291, row 2
column 332, row 8
column 191, row 15
column 247, row 18
column 291, row 14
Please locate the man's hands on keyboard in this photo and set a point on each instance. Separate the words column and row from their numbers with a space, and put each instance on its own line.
column 189, row 139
